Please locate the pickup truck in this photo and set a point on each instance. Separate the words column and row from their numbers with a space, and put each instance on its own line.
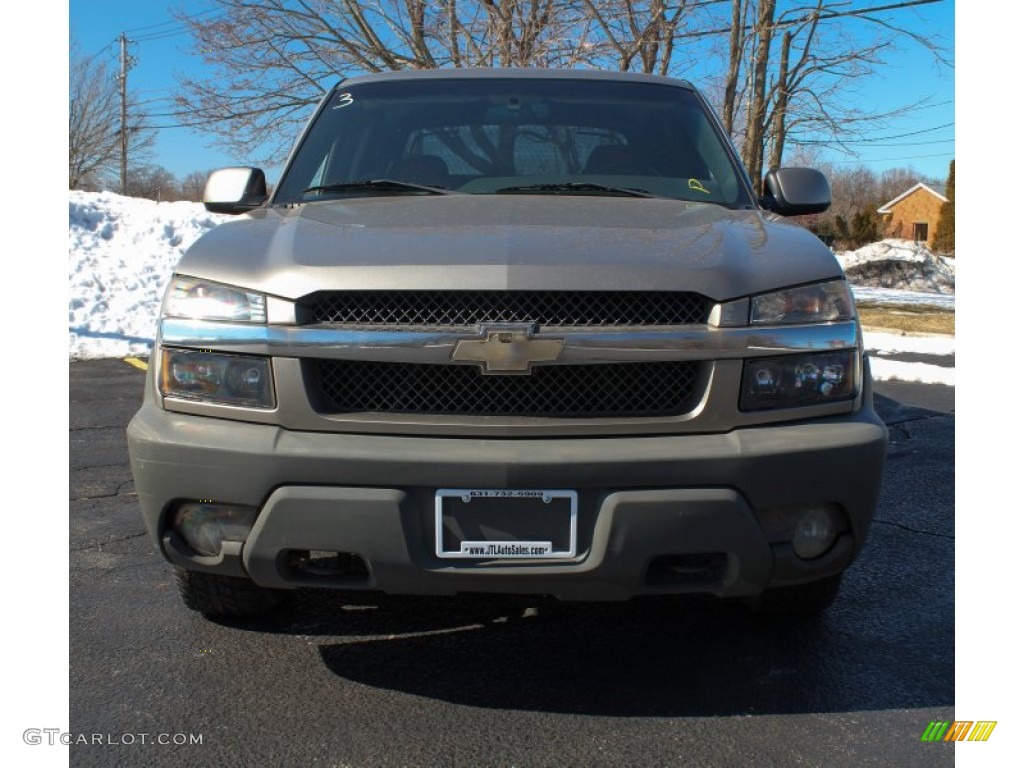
column 509, row 331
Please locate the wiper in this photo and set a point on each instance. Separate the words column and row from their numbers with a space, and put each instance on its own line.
column 377, row 185
column 576, row 186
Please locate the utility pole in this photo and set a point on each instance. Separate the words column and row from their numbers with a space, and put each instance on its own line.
column 126, row 64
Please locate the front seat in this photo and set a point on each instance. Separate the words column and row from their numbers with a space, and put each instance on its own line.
column 612, row 159
column 429, row 170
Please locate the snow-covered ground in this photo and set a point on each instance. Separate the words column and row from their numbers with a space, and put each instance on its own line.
column 123, row 251
column 882, row 345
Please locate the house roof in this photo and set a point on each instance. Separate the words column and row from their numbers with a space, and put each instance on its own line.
column 920, row 185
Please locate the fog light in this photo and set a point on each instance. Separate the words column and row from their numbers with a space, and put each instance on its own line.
column 815, row 532
column 205, row 525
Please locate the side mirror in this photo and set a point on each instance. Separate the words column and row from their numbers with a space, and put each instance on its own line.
column 796, row 191
column 235, row 190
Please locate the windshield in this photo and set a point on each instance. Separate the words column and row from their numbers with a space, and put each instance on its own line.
column 513, row 136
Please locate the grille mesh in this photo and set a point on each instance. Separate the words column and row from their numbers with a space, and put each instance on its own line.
column 551, row 308
column 566, row 391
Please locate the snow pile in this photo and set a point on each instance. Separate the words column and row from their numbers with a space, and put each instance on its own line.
column 894, row 296
column 901, row 264
column 122, row 253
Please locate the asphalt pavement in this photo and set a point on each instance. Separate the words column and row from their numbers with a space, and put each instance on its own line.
column 341, row 681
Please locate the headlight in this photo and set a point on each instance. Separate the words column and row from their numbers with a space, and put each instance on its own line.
column 203, row 300
column 787, row 381
column 816, row 303
column 217, row 378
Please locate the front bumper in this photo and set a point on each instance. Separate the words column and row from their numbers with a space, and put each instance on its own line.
column 641, row 499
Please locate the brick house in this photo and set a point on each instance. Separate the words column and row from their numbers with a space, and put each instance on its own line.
column 914, row 215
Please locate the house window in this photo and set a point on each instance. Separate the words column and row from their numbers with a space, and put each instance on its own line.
column 920, row 231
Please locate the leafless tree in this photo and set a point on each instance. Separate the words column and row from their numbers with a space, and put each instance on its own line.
column 94, row 116
column 275, row 58
column 193, row 185
column 783, row 77
column 896, row 181
column 791, row 71
column 740, row 9
column 636, row 35
column 854, row 187
column 153, row 182
column 762, row 36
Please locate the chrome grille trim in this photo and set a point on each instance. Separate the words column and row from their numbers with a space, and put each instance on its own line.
column 581, row 346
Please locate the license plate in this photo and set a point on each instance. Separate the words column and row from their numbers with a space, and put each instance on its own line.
column 505, row 524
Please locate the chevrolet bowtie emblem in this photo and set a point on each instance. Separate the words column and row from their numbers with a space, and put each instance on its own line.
column 508, row 350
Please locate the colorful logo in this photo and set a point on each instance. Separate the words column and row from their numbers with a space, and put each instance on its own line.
column 958, row 730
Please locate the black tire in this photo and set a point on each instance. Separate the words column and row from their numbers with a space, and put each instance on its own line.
column 799, row 599
column 215, row 595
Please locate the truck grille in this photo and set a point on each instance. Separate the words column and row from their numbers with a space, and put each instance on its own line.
column 566, row 391
column 548, row 308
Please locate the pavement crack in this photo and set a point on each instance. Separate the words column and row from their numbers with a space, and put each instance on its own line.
column 101, row 544
column 111, row 569
column 105, row 571
column 100, row 466
column 908, row 529
column 114, row 494
column 922, row 417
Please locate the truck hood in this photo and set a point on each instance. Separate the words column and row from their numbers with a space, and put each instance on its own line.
column 509, row 242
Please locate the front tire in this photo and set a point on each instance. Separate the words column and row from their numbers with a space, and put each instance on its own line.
column 214, row 595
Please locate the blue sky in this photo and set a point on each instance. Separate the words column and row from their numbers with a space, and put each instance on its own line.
column 923, row 138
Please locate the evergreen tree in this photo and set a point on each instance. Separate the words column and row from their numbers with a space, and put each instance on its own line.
column 945, row 232
column 840, row 228
column 864, row 227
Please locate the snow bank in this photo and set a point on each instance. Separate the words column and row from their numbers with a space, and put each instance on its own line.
column 894, row 296
column 122, row 253
column 901, row 264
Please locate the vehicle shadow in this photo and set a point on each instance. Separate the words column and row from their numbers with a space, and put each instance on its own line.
column 893, row 410
column 661, row 657
column 88, row 333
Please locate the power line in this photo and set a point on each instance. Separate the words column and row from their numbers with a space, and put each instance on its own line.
column 175, row 27
column 917, row 143
column 172, row 22
column 869, row 141
column 156, row 90
column 162, row 35
column 782, row 24
column 103, row 49
column 891, row 159
column 161, row 102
